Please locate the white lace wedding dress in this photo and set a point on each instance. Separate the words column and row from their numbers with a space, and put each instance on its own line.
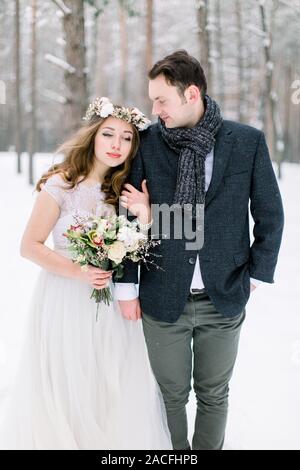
column 82, row 383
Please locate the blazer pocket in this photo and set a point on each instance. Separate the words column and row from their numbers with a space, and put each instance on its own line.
column 241, row 258
column 235, row 175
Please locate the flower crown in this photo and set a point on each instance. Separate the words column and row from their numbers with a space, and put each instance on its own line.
column 103, row 107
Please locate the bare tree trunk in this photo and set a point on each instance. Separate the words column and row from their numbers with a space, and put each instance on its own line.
column 124, row 51
column 240, row 62
column 278, row 142
column 220, row 89
column 18, row 131
column 103, row 56
column 149, row 53
column 91, row 78
column 294, row 122
column 75, row 74
column 33, row 126
column 149, row 35
column 204, row 39
column 263, row 102
column 287, row 113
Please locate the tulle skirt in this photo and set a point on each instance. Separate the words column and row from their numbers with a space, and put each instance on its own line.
column 82, row 383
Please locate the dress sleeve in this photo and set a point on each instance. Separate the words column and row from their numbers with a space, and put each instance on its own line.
column 55, row 186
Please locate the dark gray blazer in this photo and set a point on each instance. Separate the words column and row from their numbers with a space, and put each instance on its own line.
column 242, row 171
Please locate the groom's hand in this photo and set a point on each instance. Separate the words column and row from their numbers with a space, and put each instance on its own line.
column 131, row 309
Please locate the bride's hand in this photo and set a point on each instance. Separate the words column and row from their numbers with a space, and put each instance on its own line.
column 98, row 278
column 137, row 202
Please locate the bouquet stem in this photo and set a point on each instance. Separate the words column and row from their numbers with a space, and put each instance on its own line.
column 103, row 295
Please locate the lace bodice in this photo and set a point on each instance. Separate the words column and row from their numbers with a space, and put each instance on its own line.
column 81, row 201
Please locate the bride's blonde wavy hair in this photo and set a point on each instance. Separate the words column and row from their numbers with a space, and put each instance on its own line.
column 79, row 157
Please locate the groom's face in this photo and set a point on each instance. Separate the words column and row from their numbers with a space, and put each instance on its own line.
column 173, row 108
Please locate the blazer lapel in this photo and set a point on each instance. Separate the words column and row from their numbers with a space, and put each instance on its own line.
column 222, row 151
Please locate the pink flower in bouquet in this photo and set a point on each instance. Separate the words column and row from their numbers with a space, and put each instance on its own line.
column 98, row 240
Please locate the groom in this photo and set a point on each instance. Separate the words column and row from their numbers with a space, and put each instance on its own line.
column 193, row 309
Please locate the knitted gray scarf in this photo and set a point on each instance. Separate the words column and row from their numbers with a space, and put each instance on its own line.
column 193, row 145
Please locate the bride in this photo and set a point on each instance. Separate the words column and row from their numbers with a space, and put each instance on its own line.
column 82, row 383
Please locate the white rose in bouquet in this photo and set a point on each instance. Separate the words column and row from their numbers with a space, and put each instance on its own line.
column 116, row 252
column 130, row 238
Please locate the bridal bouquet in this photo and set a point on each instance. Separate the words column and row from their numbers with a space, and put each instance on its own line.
column 106, row 242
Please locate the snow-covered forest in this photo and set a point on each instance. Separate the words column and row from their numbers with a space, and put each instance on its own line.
column 55, row 55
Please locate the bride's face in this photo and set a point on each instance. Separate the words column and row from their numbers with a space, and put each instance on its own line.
column 113, row 142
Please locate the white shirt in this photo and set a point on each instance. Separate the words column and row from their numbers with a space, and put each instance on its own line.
column 129, row 291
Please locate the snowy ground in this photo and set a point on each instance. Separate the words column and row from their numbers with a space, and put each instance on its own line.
column 265, row 389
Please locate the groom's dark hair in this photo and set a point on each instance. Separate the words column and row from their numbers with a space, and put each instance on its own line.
column 181, row 70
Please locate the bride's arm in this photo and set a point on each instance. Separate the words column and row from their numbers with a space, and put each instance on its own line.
column 41, row 222
column 43, row 218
